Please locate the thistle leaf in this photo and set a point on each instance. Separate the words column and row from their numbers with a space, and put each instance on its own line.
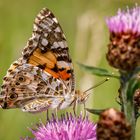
column 95, row 111
column 97, row 71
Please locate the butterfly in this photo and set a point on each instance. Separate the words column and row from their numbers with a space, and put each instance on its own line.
column 43, row 77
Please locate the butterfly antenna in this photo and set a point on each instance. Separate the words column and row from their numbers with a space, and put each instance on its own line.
column 98, row 84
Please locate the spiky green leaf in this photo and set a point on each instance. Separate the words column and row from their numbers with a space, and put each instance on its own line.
column 97, row 71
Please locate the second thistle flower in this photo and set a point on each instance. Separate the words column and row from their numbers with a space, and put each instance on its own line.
column 124, row 47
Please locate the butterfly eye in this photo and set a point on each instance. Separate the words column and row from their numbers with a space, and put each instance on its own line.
column 13, row 96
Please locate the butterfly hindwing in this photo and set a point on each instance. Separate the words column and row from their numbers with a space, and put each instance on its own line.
column 26, row 85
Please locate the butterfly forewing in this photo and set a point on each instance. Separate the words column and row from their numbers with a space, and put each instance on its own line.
column 50, row 53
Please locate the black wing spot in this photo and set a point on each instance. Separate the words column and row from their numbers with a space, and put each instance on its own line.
column 17, row 83
column 21, row 79
column 3, row 86
column 69, row 71
column 55, row 68
column 42, row 66
column 13, row 96
column 61, row 69
column 64, row 58
column 68, row 78
column 5, row 105
column 46, row 48
column 13, row 89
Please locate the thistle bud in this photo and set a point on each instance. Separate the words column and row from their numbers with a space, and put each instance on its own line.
column 137, row 98
column 124, row 47
column 112, row 125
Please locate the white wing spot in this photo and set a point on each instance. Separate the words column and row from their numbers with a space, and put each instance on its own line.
column 57, row 29
column 44, row 42
column 55, row 45
column 55, row 20
column 61, row 44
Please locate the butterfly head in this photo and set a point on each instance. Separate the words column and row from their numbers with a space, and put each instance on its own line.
column 81, row 97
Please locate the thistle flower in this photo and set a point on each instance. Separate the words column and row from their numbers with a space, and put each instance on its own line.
column 124, row 47
column 112, row 125
column 125, row 22
column 65, row 128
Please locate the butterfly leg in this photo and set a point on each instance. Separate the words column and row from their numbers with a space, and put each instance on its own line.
column 84, row 110
column 55, row 112
column 47, row 115
column 75, row 108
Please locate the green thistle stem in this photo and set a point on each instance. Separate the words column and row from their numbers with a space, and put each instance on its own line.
column 127, row 101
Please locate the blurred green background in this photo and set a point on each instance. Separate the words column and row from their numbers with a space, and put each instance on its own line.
column 84, row 25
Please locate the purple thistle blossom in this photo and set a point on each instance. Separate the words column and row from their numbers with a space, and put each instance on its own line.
column 127, row 21
column 65, row 128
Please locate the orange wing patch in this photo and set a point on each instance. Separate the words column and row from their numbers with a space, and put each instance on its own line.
column 48, row 62
column 38, row 58
column 65, row 74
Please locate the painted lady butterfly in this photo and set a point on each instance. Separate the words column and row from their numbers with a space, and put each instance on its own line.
column 43, row 77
